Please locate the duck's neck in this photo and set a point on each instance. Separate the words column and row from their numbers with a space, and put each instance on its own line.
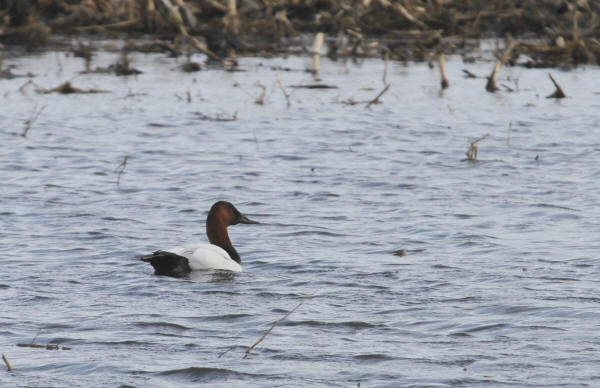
column 217, row 235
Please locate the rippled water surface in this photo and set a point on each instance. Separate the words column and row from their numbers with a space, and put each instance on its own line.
column 499, row 286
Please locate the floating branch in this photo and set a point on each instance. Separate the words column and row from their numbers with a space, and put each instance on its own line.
column 314, row 86
column 218, row 117
column 8, row 366
column 275, row 324
column 34, row 115
column 47, row 347
column 472, row 151
column 67, row 88
column 376, row 99
column 469, row 74
column 558, row 93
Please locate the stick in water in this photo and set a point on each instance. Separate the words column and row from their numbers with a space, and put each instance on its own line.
column 275, row 324
column 317, row 52
column 121, row 168
column 34, row 115
column 376, row 99
column 7, row 363
column 558, row 93
column 442, row 60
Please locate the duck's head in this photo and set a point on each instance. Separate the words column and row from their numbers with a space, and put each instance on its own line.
column 224, row 212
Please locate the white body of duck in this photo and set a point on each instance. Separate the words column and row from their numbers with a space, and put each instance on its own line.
column 206, row 256
column 219, row 254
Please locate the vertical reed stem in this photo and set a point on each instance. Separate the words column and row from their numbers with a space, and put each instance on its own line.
column 317, row 52
column 442, row 60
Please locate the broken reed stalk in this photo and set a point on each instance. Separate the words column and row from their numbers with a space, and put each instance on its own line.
column 317, row 52
column 8, row 366
column 472, row 151
column 558, row 93
column 442, row 61
column 376, row 99
column 275, row 324
column 493, row 78
column 34, row 115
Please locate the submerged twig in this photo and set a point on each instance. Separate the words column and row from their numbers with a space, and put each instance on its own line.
column 121, row 168
column 34, row 115
column 275, row 324
column 36, row 335
column 225, row 352
column 376, row 99
column 285, row 94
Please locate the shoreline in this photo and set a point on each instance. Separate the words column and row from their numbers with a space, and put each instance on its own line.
column 565, row 34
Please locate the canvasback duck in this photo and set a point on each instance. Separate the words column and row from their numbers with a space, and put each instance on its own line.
column 219, row 254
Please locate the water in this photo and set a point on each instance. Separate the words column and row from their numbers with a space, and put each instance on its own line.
column 498, row 287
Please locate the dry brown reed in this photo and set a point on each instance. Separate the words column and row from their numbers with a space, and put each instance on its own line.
column 472, row 150
column 8, row 366
column 558, row 93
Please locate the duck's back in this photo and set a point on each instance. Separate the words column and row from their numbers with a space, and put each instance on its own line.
column 206, row 256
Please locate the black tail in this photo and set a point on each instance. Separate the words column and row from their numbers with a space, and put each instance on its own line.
column 168, row 264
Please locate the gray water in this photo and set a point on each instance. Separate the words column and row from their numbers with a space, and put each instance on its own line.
column 499, row 286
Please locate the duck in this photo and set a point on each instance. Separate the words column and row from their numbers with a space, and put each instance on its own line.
column 218, row 254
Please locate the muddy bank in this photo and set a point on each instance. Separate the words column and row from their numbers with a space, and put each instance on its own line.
column 566, row 32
